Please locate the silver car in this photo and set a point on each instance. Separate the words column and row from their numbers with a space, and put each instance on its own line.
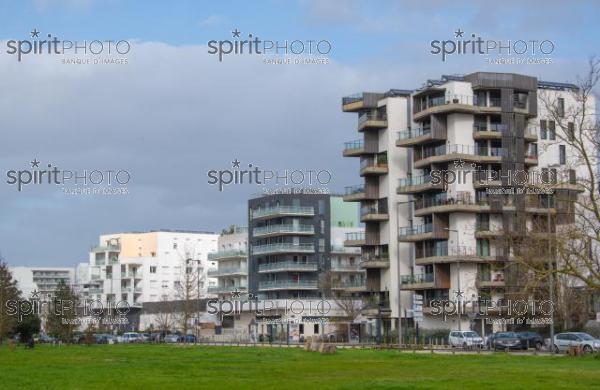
column 563, row 341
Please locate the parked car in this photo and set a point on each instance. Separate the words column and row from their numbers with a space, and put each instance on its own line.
column 465, row 339
column 44, row 338
column 531, row 339
column 563, row 341
column 78, row 338
column 189, row 338
column 145, row 337
column 173, row 338
column 508, row 340
column 129, row 337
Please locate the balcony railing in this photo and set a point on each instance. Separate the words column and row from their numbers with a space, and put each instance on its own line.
column 354, row 145
column 289, row 210
column 356, row 283
column 345, row 250
column 356, row 189
column 287, row 284
column 222, row 271
column 375, row 209
column 226, row 289
column 107, row 248
column 283, row 247
column 417, row 278
column 493, row 127
column 414, row 133
column 355, row 236
column 414, row 181
column 227, row 254
column 283, row 265
column 283, row 228
column 345, row 267
column 412, row 231
column 443, row 199
column 369, row 116
column 357, row 97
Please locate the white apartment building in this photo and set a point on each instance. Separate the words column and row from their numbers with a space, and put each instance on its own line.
column 232, row 259
column 43, row 280
column 436, row 240
column 149, row 266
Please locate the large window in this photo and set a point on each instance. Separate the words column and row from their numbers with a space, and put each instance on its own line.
column 562, row 154
column 543, row 129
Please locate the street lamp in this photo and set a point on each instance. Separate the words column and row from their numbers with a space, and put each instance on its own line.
column 457, row 274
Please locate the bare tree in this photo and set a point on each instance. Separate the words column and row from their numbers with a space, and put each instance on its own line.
column 165, row 319
column 576, row 244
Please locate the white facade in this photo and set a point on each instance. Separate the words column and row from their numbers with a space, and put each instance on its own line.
column 149, row 267
column 41, row 279
column 232, row 259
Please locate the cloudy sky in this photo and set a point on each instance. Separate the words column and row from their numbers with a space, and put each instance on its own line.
column 174, row 112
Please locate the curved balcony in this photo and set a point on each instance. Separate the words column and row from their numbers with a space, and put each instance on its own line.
column 282, row 248
column 282, row 211
column 227, row 255
column 354, row 193
column 283, row 229
column 444, row 203
column 412, row 185
column 454, row 152
column 289, row 284
column 372, row 121
column 373, row 167
column 417, row 281
column 489, row 131
column 284, row 266
column 420, row 233
column 355, row 239
column 463, row 254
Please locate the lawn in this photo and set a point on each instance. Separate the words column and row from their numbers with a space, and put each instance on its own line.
column 176, row 367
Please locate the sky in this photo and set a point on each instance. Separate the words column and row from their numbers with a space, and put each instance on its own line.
column 174, row 112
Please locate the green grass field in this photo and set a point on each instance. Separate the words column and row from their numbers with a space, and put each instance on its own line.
column 176, row 367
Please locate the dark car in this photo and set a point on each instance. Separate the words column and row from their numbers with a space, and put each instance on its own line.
column 532, row 339
column 44, row 338
column 190, row 338
column 508, row 340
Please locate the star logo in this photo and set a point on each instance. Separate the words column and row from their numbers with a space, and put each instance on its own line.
column 35, row 294
column 458, row 33
column 235, row 163
column 459, row 164
column 458, row 293
column 35, row 33
column 35, row 163
column 236, row 33
column 235, row 293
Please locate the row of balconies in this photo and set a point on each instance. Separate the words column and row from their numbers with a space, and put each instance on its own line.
column 281, row 211
column 228, row 271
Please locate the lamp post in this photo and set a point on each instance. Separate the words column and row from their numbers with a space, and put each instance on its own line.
column 457, row 274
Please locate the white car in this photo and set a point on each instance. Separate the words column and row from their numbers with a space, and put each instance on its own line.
column 465, row 339
column 563, row 341
column 129, row 337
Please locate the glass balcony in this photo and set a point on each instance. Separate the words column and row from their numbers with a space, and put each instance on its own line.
column 226, row 289
column 416, row 279
column 107, row 248
column 224, row 271
column 283, row 248
column 227, row 254
column 353, row 147
column 283, row 229
column 283, row 210
column 413, row 231
column 357, row 97
column 291, row 284
column 414, row 133
column 287, row 266
column 414, row 181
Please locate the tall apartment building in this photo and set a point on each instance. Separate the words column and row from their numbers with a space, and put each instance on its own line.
column 149, row 266
column 43, row 280
column 293, row 238
column 232, row 259
column 433, row 239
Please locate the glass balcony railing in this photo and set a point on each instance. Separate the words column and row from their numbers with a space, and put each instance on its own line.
column 227, row 254
column 357, row 97
column 418, row 278
column 283, row 247
column 354, row 145
column 356, row 189
column 414, row 181
column 283, row 228
column 291, row 265
column 414, row 133
column 355, row 236
column 412, row 231
column 369, row 116
column 493, row 127
column 107, row 248
column 226, row 289
column 345, row 249
column 287, row 284
column 288, row 210
column 350, row 283
column 222, row 271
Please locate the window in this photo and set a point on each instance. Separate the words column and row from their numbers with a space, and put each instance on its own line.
column 174, row 245
column 551, row 130
column 562, row 154
column 316, row 329
column 543, row 129
column 561, row 107
column 153, row 269
column 301, row 329
column 571, row 131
